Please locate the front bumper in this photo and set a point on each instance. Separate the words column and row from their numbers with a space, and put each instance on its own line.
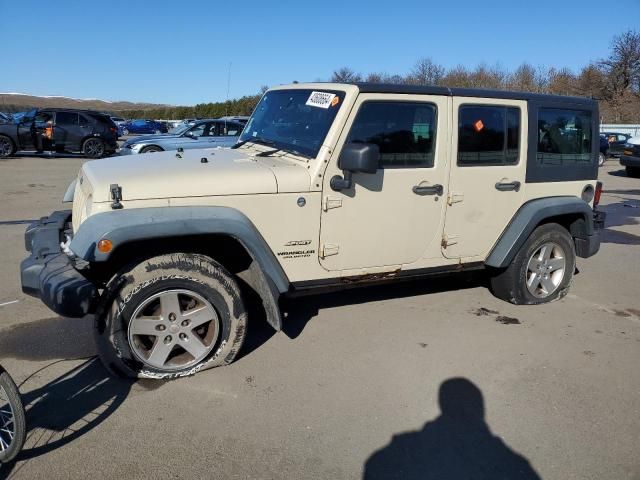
column 49, row 274
column 589, row 246
column 629, row 161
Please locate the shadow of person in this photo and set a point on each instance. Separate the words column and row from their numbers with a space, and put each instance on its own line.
column 456, row 445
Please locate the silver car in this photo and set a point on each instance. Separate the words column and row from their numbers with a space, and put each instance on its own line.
column 202, row 134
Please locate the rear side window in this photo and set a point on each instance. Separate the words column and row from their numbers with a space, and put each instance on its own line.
column 404, row 132
column 564, row 137
column 84, row 121
column 66, row 118
column 488, row 135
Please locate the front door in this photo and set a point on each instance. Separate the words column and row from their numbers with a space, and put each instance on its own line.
column 487, row 173
column 393, row 217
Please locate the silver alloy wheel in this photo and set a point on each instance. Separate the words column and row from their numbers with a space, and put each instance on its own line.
column 94, row 147
column 125, row 131
column 7, row 422
column 601, row 159
column 545, row 270
column 174, row 329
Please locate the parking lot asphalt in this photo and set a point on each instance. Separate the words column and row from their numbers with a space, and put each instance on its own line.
column 356, row 382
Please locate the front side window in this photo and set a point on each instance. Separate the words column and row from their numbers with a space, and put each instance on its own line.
column 488, row 135
column 404, row 132
column 296, row 120
column 198, row 130
column 564, row 137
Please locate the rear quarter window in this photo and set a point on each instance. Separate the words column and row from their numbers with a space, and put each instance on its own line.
column 564, row 137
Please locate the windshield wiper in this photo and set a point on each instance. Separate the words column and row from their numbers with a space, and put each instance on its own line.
column 259, row 140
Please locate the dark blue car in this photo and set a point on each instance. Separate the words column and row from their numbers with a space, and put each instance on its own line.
column 144, row 126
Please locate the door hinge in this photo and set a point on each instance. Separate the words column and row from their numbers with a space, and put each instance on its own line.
column 449, row 239
column 329, row 249
column 454, row 197
column 331, row 202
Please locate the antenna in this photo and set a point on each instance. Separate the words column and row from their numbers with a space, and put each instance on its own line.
column 226, row 105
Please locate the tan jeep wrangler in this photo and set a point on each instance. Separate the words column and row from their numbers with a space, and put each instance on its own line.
column 330, row 184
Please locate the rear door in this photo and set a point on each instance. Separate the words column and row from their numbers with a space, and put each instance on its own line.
column 67, row 133
column 487, row 174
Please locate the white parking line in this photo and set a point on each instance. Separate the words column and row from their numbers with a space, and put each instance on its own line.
column 8, row 303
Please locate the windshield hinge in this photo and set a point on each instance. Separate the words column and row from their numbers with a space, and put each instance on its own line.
column 331, row 202
column 329, row 249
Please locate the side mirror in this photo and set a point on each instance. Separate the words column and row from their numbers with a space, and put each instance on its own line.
column 355, row 158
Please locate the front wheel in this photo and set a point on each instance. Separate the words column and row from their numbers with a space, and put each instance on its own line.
column 93, row 148
column 541, row 271
column 6, row 146
column 633, row 172
column 151, row 149
column 12, row 419
column 170, row 316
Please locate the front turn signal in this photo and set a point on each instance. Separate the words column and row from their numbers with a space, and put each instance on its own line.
column 105, row 245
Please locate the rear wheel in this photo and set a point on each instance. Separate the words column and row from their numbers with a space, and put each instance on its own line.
column 125, row 131
column 6, row 146
column 93, row 148
column 633, row 172
column 541, row 271
column 12, row 420
column 169, row 317
column 151, row 149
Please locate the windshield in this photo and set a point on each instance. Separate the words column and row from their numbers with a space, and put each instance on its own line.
column 180, row 129
column 295, row 120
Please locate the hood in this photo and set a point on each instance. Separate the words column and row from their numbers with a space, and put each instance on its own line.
column 148, row 138
column 166, row 175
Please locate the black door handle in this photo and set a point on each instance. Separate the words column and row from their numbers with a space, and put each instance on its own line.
column 428, row 190
column 505, row 187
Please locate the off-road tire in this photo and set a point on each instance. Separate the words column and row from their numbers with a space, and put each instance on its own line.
column 509, row 284
column 135, row 285
column 93, row 148
column 7, row 147
column 19, row 423
column 151, row 149
column 633, row 172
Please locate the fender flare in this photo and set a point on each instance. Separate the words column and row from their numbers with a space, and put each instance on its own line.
column 124, row 226
column 529, row 216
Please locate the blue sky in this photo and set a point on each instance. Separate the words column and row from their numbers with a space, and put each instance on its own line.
column 179, row 52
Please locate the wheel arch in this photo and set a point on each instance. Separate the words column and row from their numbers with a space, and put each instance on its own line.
column 571, row 212
column 223, row 233
column 162, row 149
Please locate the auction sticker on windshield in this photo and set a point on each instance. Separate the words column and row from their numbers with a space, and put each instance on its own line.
column 320, row 99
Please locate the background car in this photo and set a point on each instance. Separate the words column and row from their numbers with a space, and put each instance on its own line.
column 202, row 134
column 62, row 130
column 118, row 120
column 144, row 126
column 616, row 142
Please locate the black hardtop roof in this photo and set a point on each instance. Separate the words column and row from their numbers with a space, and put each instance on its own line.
column 470, row 92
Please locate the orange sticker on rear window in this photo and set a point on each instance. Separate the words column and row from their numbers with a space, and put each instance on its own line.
column 478, row 125
column 335, row 101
